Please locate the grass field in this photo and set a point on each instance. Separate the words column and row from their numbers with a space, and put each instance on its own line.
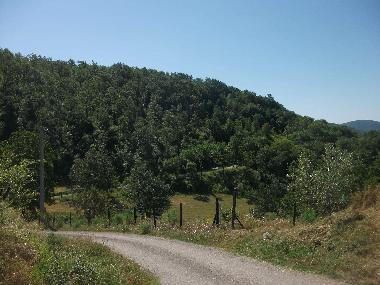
column 198, row 210
column 193, row 209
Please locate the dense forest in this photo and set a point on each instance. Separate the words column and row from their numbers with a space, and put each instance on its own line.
column 120, row 132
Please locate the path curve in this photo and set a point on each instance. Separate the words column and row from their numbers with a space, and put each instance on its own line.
column 176, row 262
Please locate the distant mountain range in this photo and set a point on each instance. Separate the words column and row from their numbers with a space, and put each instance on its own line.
column 363, row 126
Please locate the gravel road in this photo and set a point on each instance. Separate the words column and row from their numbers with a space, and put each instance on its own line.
column 176, row 262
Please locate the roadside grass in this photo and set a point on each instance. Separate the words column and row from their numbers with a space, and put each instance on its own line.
column 78, row 261
column 28, row 256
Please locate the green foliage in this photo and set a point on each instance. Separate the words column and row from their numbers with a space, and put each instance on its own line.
column 145, row 228
column 93, row 178
column 19, row 170
column 181, row 129
column 226, row 214
column 309, row 215
column 325, row 185
column 147, row 191
column 95, row 170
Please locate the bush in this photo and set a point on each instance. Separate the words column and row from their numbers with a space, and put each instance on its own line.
column 226, row 214
column 145, row 228
column 309, row 215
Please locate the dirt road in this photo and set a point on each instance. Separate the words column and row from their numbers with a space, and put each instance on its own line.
column 176, row 262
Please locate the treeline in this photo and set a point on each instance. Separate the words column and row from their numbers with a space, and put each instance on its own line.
column 149, row 134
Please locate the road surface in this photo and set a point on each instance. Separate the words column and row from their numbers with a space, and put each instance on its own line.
column 176, row 262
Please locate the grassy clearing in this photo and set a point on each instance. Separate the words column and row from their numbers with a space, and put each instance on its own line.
column 29, row 257
column 194, row 209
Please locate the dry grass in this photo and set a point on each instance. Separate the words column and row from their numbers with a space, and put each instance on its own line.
column 59, row 207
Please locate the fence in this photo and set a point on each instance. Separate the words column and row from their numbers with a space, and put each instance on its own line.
column 129, row 217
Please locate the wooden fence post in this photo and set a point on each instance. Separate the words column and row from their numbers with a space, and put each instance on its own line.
column 135, row 215
column 217, row 214
column 70, row 219
column 233, row 216
column 180, row 215
column 154, row 219
column 109, row 217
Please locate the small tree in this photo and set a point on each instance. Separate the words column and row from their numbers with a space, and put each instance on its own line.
column 16, row 183
column 19, row 171
column 93, row 177
column 146, row 190
column 324, row 186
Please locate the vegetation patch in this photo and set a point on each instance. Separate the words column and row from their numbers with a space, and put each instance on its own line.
column 30, row 257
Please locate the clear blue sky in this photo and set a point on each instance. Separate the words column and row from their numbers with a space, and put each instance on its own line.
column 317, row 58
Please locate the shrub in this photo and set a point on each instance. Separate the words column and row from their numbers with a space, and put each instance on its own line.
column 309, row 215
column 145, row 228
column 226, row 214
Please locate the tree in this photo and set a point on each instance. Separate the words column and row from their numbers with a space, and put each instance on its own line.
column 16, row 183
column 147, row 191
column 19, row 157
column 325, row 185
column 92, row 178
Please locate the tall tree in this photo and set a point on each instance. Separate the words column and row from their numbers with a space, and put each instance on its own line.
column 93, row 178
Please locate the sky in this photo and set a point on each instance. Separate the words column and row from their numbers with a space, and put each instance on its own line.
column 318, row 58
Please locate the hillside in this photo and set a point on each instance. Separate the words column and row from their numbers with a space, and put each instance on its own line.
column 167, row 130
column 363, row 126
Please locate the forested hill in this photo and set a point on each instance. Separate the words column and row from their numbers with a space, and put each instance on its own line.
column 363, row 125
column 172, row 125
